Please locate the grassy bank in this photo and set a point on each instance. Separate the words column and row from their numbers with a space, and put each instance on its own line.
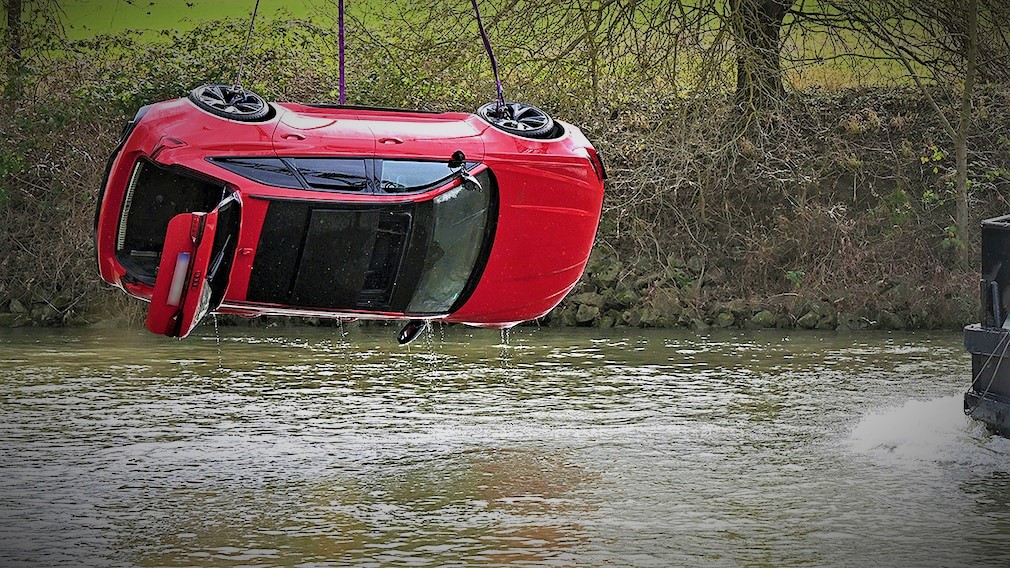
column 835, row 214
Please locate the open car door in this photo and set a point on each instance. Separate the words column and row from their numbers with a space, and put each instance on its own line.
column 194, row 268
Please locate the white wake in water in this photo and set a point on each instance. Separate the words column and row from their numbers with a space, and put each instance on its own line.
column 924, row 433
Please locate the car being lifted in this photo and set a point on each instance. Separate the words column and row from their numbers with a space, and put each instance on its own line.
column 222, row 202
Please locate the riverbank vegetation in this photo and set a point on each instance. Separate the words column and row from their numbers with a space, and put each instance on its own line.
column 817, row 165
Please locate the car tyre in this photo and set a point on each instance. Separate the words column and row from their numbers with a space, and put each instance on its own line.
column 519, row 119
column 231, row 102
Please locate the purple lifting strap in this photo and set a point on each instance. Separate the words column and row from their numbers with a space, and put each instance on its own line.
column 490, row 53
column 340, row 49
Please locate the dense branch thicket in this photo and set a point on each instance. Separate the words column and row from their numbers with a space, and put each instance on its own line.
column 830, row 207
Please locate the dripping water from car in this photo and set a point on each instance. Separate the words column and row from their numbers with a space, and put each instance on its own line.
column 217, row 342
column 504, row 355
column 592, row 448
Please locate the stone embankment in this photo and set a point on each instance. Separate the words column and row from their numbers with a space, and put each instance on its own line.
column 687, row 296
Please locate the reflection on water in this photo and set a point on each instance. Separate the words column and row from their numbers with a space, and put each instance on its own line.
column 544, row 447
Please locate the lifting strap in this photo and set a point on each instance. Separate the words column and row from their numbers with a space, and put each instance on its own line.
column 500, row 92
column 340, row 48
column 490, row 53
column 245, row 48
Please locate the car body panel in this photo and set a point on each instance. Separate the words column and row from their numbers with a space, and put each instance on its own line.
column 546, row 200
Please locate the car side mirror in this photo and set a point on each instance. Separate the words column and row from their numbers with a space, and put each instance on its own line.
column 470, row 182
column 458, row 163
column 410, row 331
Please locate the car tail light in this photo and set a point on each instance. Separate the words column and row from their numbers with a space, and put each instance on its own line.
column 178, row 279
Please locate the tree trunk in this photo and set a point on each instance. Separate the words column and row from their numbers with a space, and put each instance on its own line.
column 757, row 25
column 13, row 10
column 961, row 140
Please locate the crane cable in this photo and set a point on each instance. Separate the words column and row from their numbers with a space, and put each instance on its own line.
column 245, row 48
column 500, row 92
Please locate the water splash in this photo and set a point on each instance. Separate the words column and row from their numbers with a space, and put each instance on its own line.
column 924, row 433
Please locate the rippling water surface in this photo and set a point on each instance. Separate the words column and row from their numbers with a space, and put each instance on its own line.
column 307, row 447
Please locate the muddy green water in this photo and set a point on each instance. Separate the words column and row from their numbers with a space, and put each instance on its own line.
column 303, row 447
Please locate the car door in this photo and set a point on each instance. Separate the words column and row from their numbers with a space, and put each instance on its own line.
column 194, row 269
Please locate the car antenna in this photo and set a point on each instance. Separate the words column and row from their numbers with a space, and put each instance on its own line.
column 241, row 56
column 500, row 103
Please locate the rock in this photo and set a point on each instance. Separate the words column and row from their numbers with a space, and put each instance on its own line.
column 44, row 313
column 764, row 318
column 8, row 319
column 848, row 321
column 827, row 322
column 589, row 299
column 700, row 325
column 809, row 320
column 784, row 321
column 725, row 319
column 586, row 313
column 17, row 307
column 890, row 320
column 737, row 308
column 665, row 322
column 632, row 317
column 666, row 301
column 649, row 317
column 607, row 322
column 606, row 270
column 567, row 317
column 647, row 280
column 822, row 308
column 622, row 298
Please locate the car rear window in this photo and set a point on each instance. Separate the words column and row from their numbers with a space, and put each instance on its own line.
column 268, row 171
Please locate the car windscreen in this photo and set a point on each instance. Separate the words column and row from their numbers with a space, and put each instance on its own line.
column 419, row 258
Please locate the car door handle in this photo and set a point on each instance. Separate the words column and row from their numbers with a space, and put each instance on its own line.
column 293, row 137
column 390, row 141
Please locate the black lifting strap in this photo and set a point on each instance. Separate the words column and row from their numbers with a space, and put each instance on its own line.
column 490, row 54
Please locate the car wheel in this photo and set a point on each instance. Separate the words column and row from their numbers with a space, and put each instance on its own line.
column 519, row 119
column 234, row 103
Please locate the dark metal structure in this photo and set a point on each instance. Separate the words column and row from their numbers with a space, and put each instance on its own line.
column 988, row 398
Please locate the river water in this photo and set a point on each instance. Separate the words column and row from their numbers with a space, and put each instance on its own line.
column 313, row 447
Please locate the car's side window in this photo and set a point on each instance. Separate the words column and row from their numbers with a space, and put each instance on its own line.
column 268, row 171
column 404, row 176
column 358, row 175
column 333, row 174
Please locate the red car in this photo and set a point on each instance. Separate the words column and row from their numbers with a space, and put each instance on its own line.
column 222, row 202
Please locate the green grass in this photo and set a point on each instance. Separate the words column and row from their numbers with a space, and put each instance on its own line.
column 85, row 19
column 88, row 18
